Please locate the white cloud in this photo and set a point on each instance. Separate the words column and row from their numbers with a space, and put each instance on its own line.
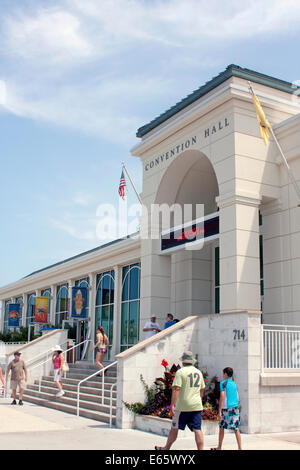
column 74, row 229
column 81, row 64
column 50, row 35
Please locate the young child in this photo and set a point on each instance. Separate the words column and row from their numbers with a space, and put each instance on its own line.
column 229, row 415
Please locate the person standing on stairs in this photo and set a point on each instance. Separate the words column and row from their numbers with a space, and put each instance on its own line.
column 58, row 361
column 101, row 345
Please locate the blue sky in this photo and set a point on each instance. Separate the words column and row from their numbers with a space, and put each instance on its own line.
column 78, row 77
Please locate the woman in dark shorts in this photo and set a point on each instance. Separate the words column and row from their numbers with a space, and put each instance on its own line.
column 101, row 346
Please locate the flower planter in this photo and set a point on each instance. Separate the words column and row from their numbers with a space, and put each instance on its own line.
column 162, row 426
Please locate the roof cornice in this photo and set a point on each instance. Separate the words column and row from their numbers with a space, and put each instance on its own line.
column 231, row 71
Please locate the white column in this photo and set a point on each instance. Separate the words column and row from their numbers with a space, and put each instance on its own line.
column 92, row 278
column 2, row 315
column 117, row 312
column 23, row 322
column 239, row 253
column 53, row 304
column 70, row 285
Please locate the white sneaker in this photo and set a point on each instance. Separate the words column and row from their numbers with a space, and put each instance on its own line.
column 60, row 394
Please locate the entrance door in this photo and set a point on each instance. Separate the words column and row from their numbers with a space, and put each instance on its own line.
column 82, row 334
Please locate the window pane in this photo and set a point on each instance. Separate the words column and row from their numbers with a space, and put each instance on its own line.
column 112, row 291
column 217, row 266
column 105, row 289
column 124, row 323
column 134, row 284
column 133, row 322
column 111, row 324
column 125, row 283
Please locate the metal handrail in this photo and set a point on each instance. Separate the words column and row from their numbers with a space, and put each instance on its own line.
column 90, row 376
column 43, row 354
column 110, row 404
column 50, row 358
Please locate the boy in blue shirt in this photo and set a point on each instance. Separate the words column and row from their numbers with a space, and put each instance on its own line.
column 169, row 321
column 229, row 415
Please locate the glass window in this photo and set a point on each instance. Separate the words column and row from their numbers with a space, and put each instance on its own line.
column 62, row 304
column 5, row 326
column 85, row 282
column 30, row 314
column 104, row 308
column 19, row 300
column 130, row 306
column 47, row 293
column 217, row 279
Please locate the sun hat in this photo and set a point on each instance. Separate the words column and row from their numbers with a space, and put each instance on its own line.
column 57, row 348
column 188, row 358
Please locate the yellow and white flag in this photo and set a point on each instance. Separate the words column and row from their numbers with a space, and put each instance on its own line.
column 263, row 122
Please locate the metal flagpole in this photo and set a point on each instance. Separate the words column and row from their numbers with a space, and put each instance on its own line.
column 137, row 194
column 292, row 178
column 286, row 165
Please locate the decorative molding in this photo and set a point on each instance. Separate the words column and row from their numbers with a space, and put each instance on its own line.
column 247, row 199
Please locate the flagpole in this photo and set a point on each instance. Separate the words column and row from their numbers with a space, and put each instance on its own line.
column 292, row 178
column 137, row 194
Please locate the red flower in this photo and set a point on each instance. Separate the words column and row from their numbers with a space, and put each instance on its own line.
column 164, row 363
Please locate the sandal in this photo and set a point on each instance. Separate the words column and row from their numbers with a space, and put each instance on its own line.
column 158, row 448
column 214, row 448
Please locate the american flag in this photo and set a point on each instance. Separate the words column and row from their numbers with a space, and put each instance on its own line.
column 122, row 186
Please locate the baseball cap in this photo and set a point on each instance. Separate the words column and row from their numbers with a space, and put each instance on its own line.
column 188, row 358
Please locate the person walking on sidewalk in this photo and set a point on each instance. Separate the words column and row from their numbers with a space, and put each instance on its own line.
column 18, row 369
column 186, row 403
column 229, row 415
column 58, row 361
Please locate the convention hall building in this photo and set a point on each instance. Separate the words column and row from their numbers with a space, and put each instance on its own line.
column 243, row 282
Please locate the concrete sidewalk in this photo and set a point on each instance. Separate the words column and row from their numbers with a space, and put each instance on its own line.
column 33, row 427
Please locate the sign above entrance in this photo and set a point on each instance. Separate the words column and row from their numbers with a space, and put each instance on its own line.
column 187, row 144
column 204, row 229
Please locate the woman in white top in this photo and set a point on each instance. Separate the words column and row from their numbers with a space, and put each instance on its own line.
column 58, row 361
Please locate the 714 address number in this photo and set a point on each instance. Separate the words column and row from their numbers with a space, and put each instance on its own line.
column 239, row 335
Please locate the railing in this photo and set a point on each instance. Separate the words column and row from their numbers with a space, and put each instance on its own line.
column 64, row 352
column 44, row 353
column 110, row 403
column 281, row 347
column 91, row 376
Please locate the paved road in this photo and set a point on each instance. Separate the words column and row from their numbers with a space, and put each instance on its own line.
column 34, row 427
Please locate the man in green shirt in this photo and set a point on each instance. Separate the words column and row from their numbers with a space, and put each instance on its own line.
column 186, row 404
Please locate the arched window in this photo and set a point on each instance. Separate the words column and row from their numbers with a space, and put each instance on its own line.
column 104, row 304
column 47, row 293
column 85, row 282
column 62, row 305
column 30, row 313
column 130, row 305
column 19, row 300
column 5, row 324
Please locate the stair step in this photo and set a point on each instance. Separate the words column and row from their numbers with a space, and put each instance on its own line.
column 88, row 372
column 89, row 383
column 83, row 388
column 96, row 398
column 72, row 375
column 70, row 401
column 99, row 416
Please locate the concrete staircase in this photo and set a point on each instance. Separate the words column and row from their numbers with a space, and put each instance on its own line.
column 90, row 392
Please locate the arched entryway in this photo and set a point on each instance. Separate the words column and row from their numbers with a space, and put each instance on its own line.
column 183, row 282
